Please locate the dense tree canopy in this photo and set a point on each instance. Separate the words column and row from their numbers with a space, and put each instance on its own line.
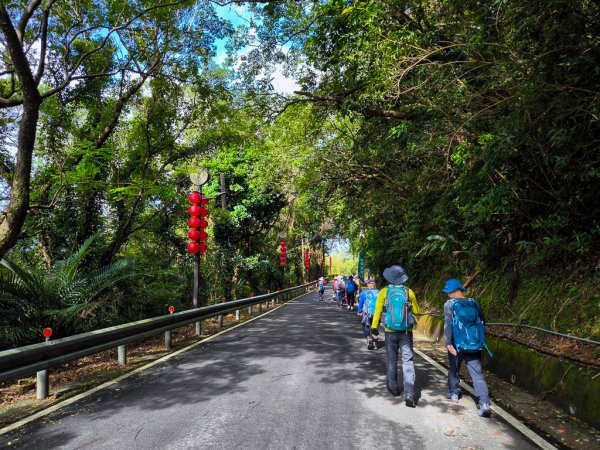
column 456, row 138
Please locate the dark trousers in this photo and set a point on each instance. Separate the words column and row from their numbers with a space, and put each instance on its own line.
column 366, row 325
column 475, row 369
column 350, row 296
column 394, row 342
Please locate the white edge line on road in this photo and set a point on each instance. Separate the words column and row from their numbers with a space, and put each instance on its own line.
column 78, row 397
column 516, row 423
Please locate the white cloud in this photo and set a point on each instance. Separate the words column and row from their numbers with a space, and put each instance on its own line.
column 283, row 84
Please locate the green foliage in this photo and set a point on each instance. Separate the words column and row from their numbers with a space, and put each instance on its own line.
column 63, row 296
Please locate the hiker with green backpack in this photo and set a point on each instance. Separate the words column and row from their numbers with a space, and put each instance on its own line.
column 464, row 330
column 366, row 309
column 400, row 305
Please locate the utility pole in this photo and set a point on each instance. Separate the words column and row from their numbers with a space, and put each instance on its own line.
column 223, row 192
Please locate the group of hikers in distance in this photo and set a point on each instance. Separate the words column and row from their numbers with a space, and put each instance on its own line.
column 395, row 307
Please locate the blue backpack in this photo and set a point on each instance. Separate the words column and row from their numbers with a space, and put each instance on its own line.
column 398, row 309
column 350, row 287
column 468, row 331
column 370, row 302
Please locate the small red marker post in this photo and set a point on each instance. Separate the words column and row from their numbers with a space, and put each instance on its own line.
column 47, row 332
column 171, row 309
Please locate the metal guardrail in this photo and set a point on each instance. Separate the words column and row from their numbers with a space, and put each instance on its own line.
column 521, row 325
column 27, row 360
column 555, row 333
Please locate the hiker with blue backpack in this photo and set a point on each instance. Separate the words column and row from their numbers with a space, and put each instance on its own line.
column 351, row 288
column 400, row 304
column 464, row 330
column 366, row 309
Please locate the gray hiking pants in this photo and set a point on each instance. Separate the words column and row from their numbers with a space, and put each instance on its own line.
column 473, row 361
column 396, row 341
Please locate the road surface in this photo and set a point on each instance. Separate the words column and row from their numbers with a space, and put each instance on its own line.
column 298, row 378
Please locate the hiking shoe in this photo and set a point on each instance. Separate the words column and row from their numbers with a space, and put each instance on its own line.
column 453, row 397
column 370, row 344
column 484, row 410
column 409, row 401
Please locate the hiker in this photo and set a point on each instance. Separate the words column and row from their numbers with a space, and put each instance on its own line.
column 341, row 291
column 351, row 288
column 464, row 331
column 334, row 289
column 366, row 309
column 321, row 288
column 400, row 304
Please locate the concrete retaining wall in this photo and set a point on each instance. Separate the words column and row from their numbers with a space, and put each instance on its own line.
column 572, row 387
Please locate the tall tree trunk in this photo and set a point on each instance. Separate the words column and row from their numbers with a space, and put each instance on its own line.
column 13, row 218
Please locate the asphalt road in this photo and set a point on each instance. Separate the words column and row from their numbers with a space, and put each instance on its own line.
column 301, row 378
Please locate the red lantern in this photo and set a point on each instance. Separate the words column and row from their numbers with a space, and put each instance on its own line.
column 283, row 253
column 193, row 247
column 171, row 309
column 202, row 223
column 223, row 299
column 47, row 332
column 194, row 222
column 195, row 210
column 202, row 247
column 194, row 235
column 203, row 212
column 282, row 244
column 203, row 236
column 204, row 200
column 195, row 198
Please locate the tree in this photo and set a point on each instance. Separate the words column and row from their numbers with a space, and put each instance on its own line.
column 52, row 48
column 63, row 295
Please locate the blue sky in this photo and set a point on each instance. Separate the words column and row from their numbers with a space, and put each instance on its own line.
column 239, row 15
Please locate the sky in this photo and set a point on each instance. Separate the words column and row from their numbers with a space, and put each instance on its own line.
column 239, row 15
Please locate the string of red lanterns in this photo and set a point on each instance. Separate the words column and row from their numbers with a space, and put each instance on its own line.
column 282, row 254
column 307, row 259
column 197, row 223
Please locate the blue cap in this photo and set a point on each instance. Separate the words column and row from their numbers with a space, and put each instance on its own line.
column 452, row 285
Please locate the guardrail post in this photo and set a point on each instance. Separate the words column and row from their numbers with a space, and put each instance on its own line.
column 168, row 342
column 267, row 305
column 220, row 320
column 122, row 355
column 41, row 385
column 237, row 314
column 259, row 308
column 250, row 310
column 198, row 328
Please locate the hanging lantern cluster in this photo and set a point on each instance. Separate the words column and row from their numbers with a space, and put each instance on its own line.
column 282, row 254
column 197, row 223
column 307, row 259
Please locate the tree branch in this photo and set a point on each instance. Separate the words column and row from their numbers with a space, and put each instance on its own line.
column 338, row 101
column 27, row 14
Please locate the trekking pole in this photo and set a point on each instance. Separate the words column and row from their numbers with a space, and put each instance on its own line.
column 488, row 350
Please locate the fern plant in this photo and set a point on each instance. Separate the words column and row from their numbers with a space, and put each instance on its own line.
column 61, row 296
